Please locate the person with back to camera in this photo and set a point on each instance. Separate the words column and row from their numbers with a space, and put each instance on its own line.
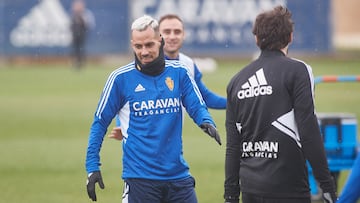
column 148, row 94
column 172, row 30
column 271, row 125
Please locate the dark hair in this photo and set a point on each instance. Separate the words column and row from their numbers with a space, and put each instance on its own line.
column 273, row 28
column 170, row 16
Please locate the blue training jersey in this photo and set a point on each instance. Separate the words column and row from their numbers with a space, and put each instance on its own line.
column 149, row 108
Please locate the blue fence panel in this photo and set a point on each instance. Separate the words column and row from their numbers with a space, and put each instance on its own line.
column 226, row 26
column 41, row 27
column 313, row 26
column 34, row 27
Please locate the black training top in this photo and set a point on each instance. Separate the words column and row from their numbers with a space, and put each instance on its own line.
column 272, row 130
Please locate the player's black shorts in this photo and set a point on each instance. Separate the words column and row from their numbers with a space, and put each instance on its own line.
column 155, row 191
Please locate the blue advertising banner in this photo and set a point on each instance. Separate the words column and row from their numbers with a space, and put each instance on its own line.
column 226, row 26
column 42, row 27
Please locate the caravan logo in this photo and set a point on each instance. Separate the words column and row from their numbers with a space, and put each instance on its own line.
column 156, row 107
column 256, row 86
column 46, row 24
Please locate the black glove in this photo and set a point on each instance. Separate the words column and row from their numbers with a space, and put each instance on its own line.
column 329, row 197
column 211, row 130
column 93, row 178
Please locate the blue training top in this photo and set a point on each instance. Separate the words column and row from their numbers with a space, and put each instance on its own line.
column 211, row 99
column 149, row 109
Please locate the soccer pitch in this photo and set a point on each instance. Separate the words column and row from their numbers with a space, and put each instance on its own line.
column 47, row 109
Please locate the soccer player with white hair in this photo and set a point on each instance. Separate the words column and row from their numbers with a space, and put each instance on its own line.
column 171, row 28
column 148, row 95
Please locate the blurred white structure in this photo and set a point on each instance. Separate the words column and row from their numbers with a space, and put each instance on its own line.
column 206, row 65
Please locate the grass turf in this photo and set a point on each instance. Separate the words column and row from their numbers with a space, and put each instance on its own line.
column 47, row 109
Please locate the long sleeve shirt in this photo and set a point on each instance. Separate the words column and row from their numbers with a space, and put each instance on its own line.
column 149, row 109
column 272, row 130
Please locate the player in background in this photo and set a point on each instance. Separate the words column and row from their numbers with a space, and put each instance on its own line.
column 351, row 190
column 271, row 126
column 172, row 30
column 148, row 95
column 82, row 20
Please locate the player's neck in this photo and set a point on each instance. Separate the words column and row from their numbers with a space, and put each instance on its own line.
column 285, row 50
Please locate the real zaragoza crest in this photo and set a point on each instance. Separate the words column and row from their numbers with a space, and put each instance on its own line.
column 169, row 83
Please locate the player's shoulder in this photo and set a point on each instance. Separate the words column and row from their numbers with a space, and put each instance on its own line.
column 300, row 66
column 123, row 69
column 174, row 64
column 177, row 66
column 185, row 58
column 298, row 61
column 189, row 62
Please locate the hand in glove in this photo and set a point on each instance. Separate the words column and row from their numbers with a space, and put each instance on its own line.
column 211, row 130
column 329, row 197
column 93, row 178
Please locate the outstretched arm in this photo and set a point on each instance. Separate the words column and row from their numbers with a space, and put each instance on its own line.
column 211, row 99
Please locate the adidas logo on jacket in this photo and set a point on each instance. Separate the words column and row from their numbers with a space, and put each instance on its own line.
column 256, row 86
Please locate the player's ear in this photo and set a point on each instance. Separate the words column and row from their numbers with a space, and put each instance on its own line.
column 256, row 39
column 160, row 38
column 291, row 37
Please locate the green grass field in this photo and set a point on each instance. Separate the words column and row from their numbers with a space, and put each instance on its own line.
column 46, row 111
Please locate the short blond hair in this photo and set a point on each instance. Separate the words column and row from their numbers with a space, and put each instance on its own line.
column 140, row 24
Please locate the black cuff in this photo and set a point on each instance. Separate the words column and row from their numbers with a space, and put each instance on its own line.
column 231, row 199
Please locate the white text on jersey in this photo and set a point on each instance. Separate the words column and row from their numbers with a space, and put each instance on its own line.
column 159, row 106
column 256, row 86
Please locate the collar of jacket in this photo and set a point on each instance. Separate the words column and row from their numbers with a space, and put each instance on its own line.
column 265, row 53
